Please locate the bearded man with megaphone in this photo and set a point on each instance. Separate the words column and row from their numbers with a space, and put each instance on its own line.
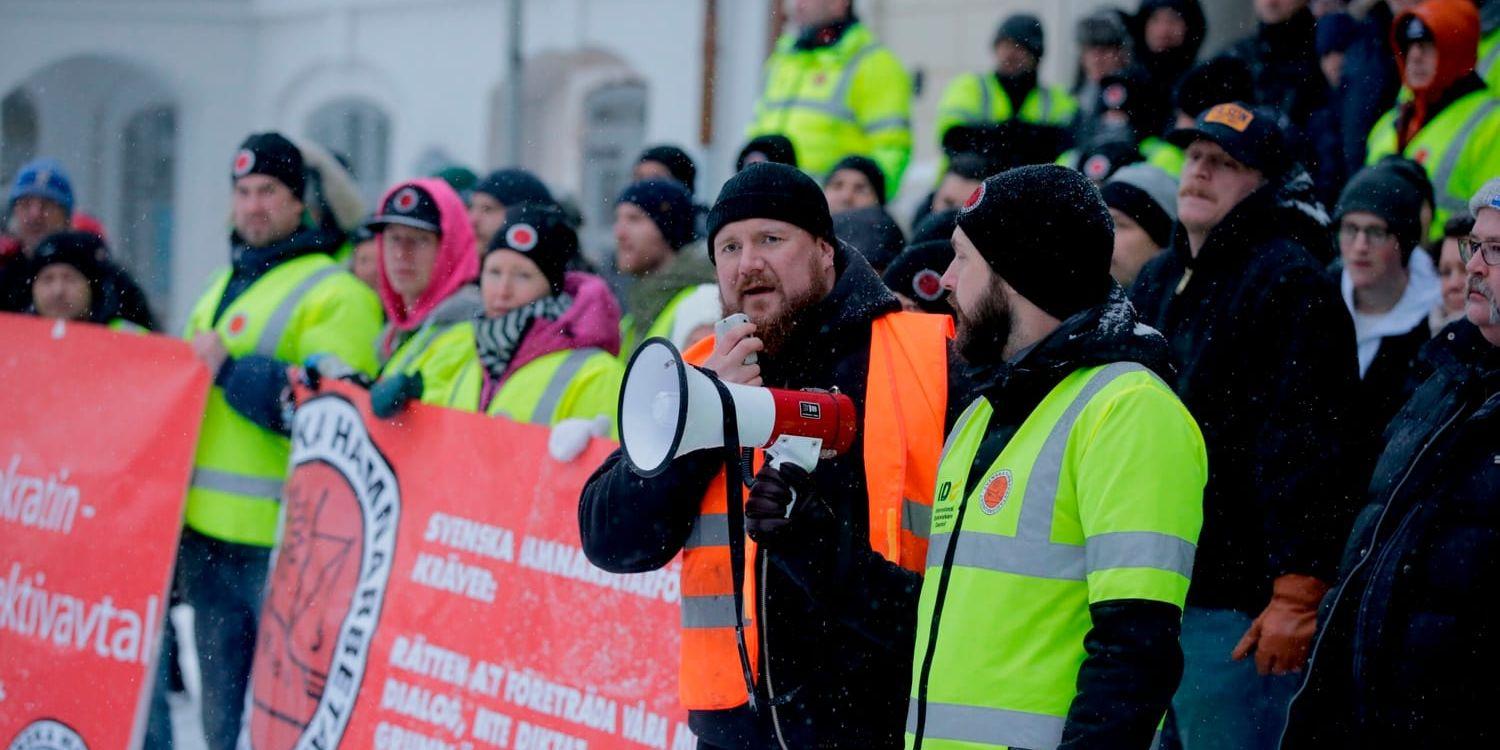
column 801, row 634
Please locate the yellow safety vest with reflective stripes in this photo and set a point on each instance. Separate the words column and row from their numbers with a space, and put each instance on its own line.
column 662, row 326
column 567, row 384
column 305, row 306
column 1460, row 149
column 1097, row 497
column 1489, row 59
column 852, row 97
column 977, row 99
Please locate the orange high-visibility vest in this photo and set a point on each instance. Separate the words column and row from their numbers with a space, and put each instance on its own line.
column 906, row 399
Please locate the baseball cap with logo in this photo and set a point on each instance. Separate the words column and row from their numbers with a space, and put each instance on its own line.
column 410, row 206
column 1251, row 136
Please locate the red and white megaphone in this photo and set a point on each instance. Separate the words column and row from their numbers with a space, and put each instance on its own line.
column 669, row 408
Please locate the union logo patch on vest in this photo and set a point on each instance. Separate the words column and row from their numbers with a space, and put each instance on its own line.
column 237, row 324
column 996, row 492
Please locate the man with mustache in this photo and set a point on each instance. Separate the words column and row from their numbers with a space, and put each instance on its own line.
column 829, row 586
column 1265, row 358
column 1407, row 639
column 1069, row 497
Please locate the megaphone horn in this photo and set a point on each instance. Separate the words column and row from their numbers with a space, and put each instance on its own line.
column 669, row 408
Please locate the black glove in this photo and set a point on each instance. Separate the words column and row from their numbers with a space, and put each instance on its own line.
column 771, row 512
column 389, row 396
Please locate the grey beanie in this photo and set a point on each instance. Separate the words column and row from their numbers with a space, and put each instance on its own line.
column 1487, row 197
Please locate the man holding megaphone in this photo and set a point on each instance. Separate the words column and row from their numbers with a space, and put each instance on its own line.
column 799, row 635
column 1069, row 496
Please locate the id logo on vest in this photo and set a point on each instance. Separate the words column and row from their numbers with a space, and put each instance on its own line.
column 47, row 734
column 996, row 492
column 340, row 510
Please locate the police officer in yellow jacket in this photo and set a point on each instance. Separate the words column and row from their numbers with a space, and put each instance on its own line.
column 1011, row 91
column 835, row 92
column 282, row 301
column 1069, row 495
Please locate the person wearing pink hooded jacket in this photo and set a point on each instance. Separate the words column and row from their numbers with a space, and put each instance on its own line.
column 426, row 272
column 545, row 350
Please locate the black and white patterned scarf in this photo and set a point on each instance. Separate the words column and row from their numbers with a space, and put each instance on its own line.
column 498, row 338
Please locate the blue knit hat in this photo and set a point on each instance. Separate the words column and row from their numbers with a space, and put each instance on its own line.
column 670, row 207
column 43, row 178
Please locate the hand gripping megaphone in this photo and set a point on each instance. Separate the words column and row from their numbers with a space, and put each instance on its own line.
column 669, row 408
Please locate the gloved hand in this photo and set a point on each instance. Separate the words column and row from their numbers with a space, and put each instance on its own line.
column 320, row 366
column 1282, row 636
column 570, row 437
column 389, row 395
column 780, row 499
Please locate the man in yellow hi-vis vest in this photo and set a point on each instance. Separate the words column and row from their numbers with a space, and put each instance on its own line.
column 1011, row 91
column 834, row 91
column 283, row 300
column 1069, row 495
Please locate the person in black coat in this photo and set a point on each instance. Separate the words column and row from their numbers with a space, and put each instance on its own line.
column 1409, row 647
column 838, row 618
column 1264, row 352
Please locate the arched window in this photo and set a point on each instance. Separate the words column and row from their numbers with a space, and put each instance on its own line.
column 147, row 198
column 359, row 132
column 614, row 129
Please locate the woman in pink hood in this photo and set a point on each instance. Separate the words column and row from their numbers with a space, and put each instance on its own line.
column 426, row 279
column 546, row 349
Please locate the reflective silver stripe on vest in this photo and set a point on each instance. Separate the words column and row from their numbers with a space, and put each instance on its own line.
column 1031, row 552
column 270, row 336
column 987, row 102
column 1487, row 65
column 1046, row 95
column 237, row 484
column 709, row 530
column 1444, row 171
column 836, row 105
column 1140, row 549
column 958, row 427
column 886, row 123
column 916, row 517
column 561, row 379
column 708, row 611
column 992, row 726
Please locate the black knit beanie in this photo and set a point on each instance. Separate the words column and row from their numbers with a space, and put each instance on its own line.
column 768, row 190
column 867, row 167
column 272, row 155
column 1382, row 191
column 541, row 233
column 1025, row 30
column 872, row 232
column 670, row 207
column 513, row 187
column 84, row 251
column 677, row 162
column 774, row 148
column 1045, row 230
column 1222, row 79
column 917, row 273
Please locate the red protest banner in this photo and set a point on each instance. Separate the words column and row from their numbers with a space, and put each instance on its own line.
column 97, row 431
column 429, row 592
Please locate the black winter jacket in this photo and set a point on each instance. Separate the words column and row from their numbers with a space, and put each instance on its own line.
column 1134, row 660
column 1409, row 646
column 1265, row 355
column 838, row 636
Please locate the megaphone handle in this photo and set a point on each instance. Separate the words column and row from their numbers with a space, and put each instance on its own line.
column 734, row 501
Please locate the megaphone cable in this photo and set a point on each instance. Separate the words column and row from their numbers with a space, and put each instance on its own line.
column 734, row 500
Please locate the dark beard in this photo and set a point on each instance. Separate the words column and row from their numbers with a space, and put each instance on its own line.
column 982, row 337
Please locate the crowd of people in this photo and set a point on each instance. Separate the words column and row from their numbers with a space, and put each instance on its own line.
column 1211, row 461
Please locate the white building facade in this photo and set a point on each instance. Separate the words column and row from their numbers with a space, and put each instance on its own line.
column 145, row 100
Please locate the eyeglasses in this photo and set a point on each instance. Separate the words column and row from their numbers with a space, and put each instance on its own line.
column 1468, row 247
column 1376, row 235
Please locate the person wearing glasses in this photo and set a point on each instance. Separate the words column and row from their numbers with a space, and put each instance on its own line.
column 1407, row 646
column 1390, row 285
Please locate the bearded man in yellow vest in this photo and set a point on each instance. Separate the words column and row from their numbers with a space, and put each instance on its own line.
column 1069, row 496
column 826, row 598
column 283, row 300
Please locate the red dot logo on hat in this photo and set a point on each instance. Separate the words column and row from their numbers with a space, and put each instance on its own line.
column 1421, row 156
column 975, row 198
column 405, row 201
column 244, row 161
column 237, row 324
column 1115, row 95
column 1096, row 167
column 927, row 285
column 521, row 237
